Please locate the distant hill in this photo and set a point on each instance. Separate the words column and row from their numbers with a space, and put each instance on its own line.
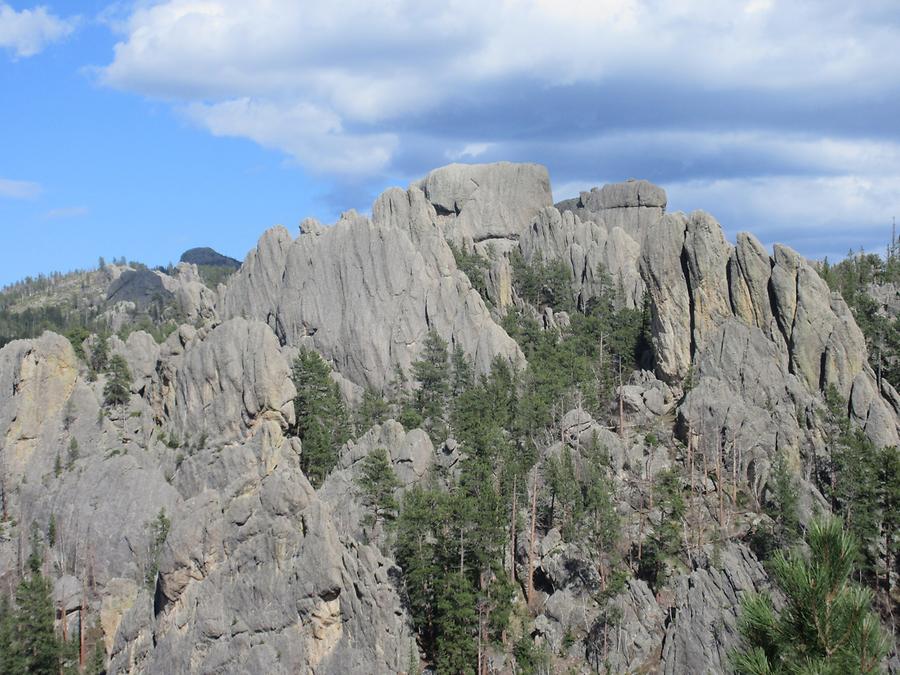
column 209, row 257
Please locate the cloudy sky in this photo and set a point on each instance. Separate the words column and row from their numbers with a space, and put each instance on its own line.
column 143, row 128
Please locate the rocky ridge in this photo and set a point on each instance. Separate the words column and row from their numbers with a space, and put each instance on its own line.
column 262, row 573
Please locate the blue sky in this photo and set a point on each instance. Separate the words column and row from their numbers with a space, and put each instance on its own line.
column 140, row 129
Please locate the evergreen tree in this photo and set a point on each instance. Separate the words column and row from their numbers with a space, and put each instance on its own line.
column 378, row 482
column 99, row 355
column 118, row 387
column 786, row 497
column 73, row 453
column 565, row 494
column 322, row 423
column 432, row 371
column 35, row 648
column 463, row 376
column 417, row 552
column 158, row 530
column 373, row 410
column 9, row 657
column 457, row 651
column 826, row 625
column 96, row 663
column 601, row 523
column 888, row 496
column 473, row 266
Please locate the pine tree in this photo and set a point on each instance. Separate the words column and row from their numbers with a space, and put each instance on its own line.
column 96, row 663
column 99, row 355
column 786, row 491
column 888, row 498
column 826, row 625
column 463, row 377
column 373, row 410
column 457, row 651
column 432, row 371
column 73, row 453
column 378, row 482
column 158, row 531
column 35, row 646
column 416, row 551
column 322, row 422
column 9, row 657
column 601, row 523
column 118, row 387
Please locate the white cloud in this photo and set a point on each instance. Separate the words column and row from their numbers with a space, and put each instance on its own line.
column 19, row 189
column 816, row 215
column 356, row 88
column 28, row 31
column 356, row 63
column 313, row 136
column 469, row 151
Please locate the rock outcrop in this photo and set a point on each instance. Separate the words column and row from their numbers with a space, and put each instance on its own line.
column 697, row 280
column 634, row 206
column 704, row 611
column 588, row 249
column 484, row 203
column 254, row 577
column 366, row 292
column 37, row 378
column 184, row 524
column 802, row 333
column 232, row 381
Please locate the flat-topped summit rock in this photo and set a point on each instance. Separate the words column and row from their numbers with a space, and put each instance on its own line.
column 478, row 203
column 633, row 205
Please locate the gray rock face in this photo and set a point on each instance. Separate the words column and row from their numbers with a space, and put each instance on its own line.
column 826, row 346
column 745, row 404
column 142, row 287
column 687, row 263
column 141, row 353
column 697, row 283
column 37, row 378
column 254, row 577
column 194, row 301
column 749, row 271
column 634, row 206
column 231, row 381
column 705, row 256
column 670, row 300
column 479, row 202
column 876, row 412
column 365, row 292
column 586, row 247
column 705, row 607
column 411, row 455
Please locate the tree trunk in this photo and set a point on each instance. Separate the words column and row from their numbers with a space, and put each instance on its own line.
column 81, row 632
column 621, row 403
column 529, row 594
column 719, row 482
column 734, row 471
column 512, row 536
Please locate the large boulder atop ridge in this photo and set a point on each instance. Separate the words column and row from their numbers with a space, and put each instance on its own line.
column 481, row 202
